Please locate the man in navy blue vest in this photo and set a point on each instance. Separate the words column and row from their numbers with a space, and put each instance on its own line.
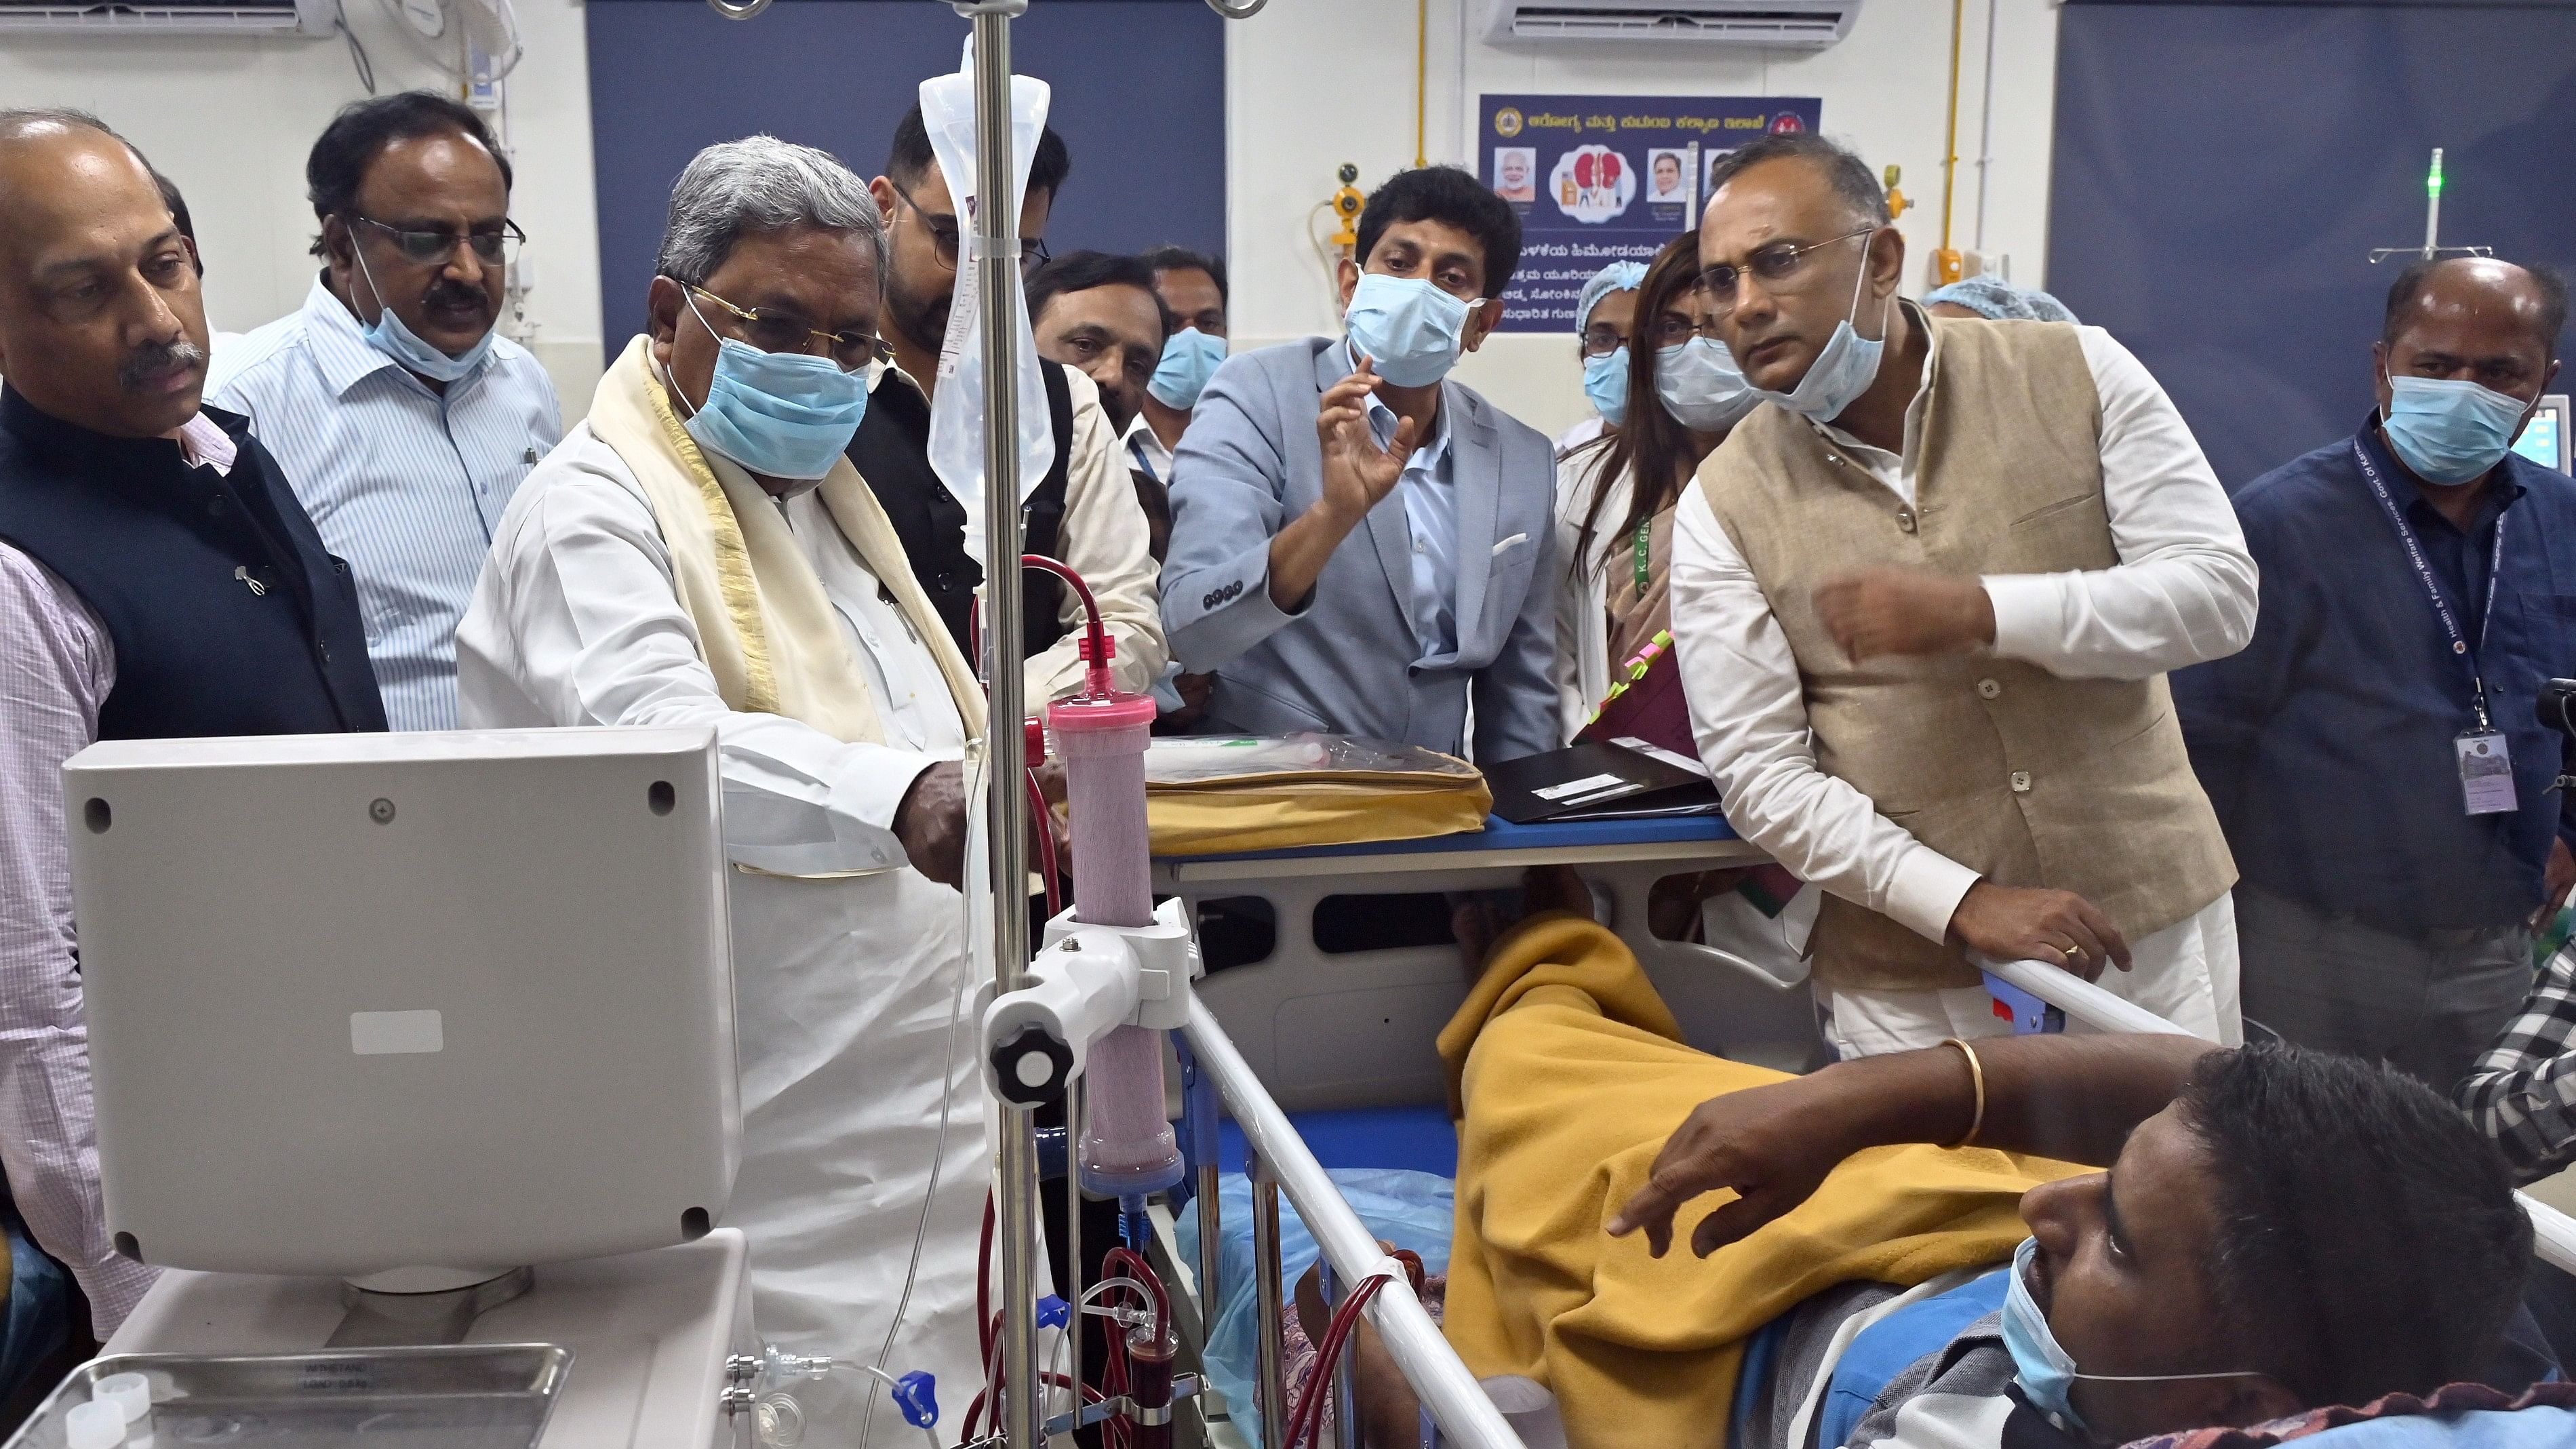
column 157, row 579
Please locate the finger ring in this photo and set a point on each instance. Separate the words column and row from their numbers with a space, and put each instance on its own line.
column 2072, row 953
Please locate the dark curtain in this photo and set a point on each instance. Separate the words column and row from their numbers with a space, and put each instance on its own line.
column 2222, row 172
column 1139, row 99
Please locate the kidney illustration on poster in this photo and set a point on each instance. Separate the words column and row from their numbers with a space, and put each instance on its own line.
column 1592, row 184
column 1598, row 179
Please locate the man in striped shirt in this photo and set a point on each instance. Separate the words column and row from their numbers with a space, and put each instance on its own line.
column 402, row 416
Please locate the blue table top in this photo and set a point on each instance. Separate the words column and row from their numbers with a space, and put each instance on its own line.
column 1501, row 834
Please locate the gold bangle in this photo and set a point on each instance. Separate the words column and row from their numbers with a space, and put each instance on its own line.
column 1977, row 1075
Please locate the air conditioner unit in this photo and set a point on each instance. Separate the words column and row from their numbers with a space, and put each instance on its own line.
column 1776, row 24
column 170, row 17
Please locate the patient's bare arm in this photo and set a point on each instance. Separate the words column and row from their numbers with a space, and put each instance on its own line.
column 2072, row 1098
column 1390, row 1414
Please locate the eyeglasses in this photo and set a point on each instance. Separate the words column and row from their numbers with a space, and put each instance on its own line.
column 942, row 226
column 1777, row 266
column 1675, row 328
column 1601, row 339
column 772, row 330
column 490, row 243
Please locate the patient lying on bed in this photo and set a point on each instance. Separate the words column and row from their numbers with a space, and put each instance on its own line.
column 2275, row 1229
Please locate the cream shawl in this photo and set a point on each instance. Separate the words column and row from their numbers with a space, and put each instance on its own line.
column 765, row 627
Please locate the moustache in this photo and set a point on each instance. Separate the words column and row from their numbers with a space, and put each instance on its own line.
column 156, row 359
column 456, row 295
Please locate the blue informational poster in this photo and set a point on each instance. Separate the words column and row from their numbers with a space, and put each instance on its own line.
column 1602, row 179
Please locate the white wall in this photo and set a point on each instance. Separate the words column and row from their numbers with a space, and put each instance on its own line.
column 1313, row 83
column 1310, row 84
column 230, row 120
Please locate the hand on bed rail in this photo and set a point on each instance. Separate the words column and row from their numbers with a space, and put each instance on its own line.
column 2061, row 928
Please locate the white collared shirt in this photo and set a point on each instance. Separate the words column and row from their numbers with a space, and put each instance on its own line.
column 1430, row 489
column 1146, row 452
column 2182, row 592
column 404, row 483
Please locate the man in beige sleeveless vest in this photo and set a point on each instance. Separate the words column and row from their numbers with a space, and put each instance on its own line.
column 699, row 551
column 1925, row 598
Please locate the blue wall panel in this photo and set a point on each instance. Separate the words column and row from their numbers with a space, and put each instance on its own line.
column 1139, row 99
column 2223, row 170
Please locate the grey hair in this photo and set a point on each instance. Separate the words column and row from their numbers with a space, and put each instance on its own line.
column 760, row 184
column 1842, row 167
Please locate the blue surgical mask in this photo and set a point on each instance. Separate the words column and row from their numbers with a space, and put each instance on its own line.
column 2046, row 1371
column 2450, row 431
column 778, row 414
column 1190, row 358
column 1843, row 370
column 1409, row 329
column 388, row 335
column 1605, row 381
column 1701, row 386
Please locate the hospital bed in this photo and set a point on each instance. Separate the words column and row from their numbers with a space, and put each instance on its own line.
column 1326, row 1030
column 1705, row 985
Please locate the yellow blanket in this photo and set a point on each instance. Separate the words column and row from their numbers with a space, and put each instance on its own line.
column 1570, row 1073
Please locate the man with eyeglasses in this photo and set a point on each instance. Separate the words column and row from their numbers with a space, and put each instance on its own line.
column 403, row 417
column 1084, row 511
column 157, row 580
column 700, row 553
column 1925, row 599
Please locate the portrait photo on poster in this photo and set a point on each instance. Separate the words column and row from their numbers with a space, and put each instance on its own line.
column 1668, row 175
column 1602, row 179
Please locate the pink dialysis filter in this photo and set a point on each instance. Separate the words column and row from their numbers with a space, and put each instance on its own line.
column 1127, row 1147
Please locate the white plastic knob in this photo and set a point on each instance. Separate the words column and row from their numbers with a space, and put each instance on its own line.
column 130, row 1392
column 97, row 1424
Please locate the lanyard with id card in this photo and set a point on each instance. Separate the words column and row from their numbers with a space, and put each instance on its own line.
column 2485, row 762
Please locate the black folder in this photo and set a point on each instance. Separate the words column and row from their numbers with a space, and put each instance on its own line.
column 1596, row 780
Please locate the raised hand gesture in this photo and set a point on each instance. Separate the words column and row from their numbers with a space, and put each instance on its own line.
column 1358, row 472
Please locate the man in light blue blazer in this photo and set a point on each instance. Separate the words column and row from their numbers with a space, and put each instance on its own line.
column 1359, row 545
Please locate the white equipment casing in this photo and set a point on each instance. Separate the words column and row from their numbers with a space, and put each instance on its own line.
column 650, row 1334
column 1769, row 24
column 1088, row 979
column 375, row 1001
column 171, row 17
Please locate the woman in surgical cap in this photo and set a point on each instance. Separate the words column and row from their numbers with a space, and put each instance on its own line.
column 1995, row 301
column 1601, row 320
column 1681, row 393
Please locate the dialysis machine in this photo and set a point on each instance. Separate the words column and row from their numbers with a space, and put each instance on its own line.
column 414, row 1063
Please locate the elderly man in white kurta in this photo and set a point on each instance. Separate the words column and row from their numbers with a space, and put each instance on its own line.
column 699, row 551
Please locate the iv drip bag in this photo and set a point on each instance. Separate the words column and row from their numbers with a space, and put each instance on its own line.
column 957, row 421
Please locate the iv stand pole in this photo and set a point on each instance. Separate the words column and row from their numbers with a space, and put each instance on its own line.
column 996, row 252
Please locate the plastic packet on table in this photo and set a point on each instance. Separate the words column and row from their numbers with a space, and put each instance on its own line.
column 1181, row 762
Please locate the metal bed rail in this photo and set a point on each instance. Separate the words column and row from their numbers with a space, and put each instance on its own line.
column 1281, row 1162
column 2553, row 1232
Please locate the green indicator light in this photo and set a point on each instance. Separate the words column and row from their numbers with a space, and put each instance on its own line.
column 2433, row 178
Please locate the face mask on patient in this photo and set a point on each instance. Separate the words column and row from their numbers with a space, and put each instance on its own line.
column 2047, row 1372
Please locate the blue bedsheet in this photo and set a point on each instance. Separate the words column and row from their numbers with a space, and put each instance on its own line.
column 1409, row 1209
